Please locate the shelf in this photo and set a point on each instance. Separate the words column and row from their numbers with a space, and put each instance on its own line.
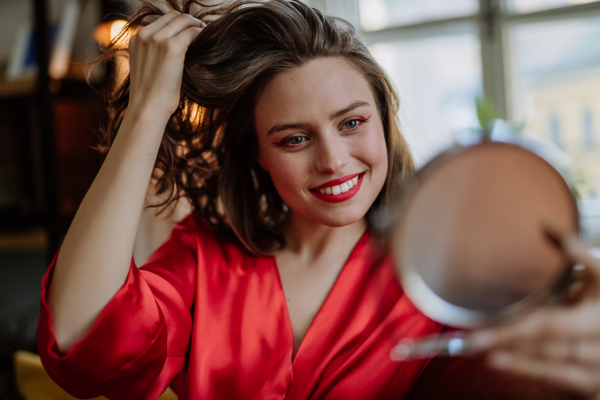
column 31, row 240
column 17, row 88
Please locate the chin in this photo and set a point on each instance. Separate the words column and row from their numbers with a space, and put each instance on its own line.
column 335, row 215
column 338, row 219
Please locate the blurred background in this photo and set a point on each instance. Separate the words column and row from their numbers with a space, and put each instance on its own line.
column 536, row 61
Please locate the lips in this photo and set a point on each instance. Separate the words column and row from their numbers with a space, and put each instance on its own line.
column 337, row 181
column 338, row 190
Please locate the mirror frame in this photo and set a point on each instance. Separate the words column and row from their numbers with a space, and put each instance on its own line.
column 440, row 310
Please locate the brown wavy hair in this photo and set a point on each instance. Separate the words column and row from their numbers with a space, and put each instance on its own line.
column 208, row 152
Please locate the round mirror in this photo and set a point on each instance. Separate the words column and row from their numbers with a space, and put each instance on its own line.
column 471, row 241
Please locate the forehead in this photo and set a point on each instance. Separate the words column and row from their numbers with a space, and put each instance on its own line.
column 311, row 92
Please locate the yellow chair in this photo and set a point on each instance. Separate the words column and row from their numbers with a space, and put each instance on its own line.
column 35, row 384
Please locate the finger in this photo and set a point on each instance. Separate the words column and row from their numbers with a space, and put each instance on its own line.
column 528, row 329
column 555, row 350
column 177, row 26
column 187, row 36
column 580, row 252
column 584, row 352
column 178, row 45
column 572, row 324
column 148, row 30
column 570, row 376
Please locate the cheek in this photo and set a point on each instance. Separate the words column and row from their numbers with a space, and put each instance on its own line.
column 373, row 152
column 288, row 172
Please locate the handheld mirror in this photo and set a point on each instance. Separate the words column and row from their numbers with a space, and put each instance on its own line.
column 470, row 238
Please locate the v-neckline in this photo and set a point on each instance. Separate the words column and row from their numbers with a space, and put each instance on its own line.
column 288, row 317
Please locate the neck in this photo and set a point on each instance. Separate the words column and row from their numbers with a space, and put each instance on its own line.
column 311, row 239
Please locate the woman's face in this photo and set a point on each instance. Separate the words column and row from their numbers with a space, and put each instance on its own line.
column 321, row 139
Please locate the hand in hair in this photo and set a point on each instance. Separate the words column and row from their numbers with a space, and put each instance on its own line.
column 156, row 55
column 95, row 257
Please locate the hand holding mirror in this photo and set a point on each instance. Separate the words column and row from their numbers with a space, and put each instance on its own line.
column 471, row 242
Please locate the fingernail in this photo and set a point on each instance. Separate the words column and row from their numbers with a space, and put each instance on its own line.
column 400, row 352
column 501, row 360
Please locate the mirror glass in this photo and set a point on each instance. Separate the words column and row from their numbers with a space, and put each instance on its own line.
column 470, row 240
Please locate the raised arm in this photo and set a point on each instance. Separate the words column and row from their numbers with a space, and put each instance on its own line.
column 96, row 254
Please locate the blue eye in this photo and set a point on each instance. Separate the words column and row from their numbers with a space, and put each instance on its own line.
column 296, row 140
column 352, row 124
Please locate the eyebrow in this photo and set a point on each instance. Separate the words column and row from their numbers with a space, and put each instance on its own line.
column 351, row 107
column 337, row 114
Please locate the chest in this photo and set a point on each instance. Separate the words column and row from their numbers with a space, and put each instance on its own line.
column 242, row 336
column 306, row 288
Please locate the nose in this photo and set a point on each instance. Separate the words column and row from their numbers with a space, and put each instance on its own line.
column 332, row 155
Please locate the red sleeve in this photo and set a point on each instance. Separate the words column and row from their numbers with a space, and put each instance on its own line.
column 140, row 340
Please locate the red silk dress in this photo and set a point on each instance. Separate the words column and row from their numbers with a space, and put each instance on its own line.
column 210, row 319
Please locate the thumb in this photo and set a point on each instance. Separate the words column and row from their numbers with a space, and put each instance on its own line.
column 581, row 253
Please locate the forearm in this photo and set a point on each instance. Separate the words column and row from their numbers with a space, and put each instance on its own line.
column 96, row 254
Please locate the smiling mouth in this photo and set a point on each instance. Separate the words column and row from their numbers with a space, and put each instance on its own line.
column 340, row 188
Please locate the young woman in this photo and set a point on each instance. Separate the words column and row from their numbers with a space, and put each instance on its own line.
column 279, row 128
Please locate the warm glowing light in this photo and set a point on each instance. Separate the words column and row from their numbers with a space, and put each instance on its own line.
column 108, row 31
column 115, row 28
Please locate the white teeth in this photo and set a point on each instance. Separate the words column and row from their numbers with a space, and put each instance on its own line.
column 341, row 188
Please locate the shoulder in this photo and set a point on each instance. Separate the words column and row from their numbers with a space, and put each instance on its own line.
column 207, row 239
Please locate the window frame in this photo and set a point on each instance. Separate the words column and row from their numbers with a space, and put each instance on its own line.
column 494, row 23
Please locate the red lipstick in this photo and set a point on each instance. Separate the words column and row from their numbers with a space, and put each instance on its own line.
column 337, row 181
column 331, row 198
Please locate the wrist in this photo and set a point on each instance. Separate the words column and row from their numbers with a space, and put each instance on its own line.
column 146, row 114
column 143, row 124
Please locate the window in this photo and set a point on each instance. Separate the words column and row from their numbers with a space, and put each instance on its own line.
column 434, row 102
column 379, row 14
column 555, row 129
column 555, row 65
column 527, row 6
column 411, row 40
column 588, row 130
